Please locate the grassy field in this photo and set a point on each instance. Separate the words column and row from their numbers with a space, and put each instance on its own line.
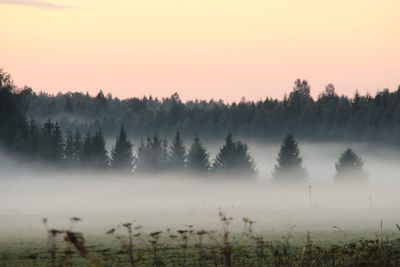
column 237, row 242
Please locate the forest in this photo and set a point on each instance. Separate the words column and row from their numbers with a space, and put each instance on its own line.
column 62, row 145
column 371, row 118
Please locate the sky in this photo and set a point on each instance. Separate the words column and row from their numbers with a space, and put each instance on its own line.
column 220, row 49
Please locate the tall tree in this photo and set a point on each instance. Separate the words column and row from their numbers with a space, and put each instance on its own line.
column 143, row 155
column 198, row 157
column 151, row 155
column 69, row 149
column 349, row 168
column 99, row 153
column 94, row 154
column 234, row 159
column 57, row 144
column 121, row 154
column 33, row 139
column 86, row 152
column 177, row 153
column 77, row 145
column 289, row 168
column 46, row 141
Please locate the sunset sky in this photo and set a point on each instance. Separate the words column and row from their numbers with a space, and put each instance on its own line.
column 202, row 49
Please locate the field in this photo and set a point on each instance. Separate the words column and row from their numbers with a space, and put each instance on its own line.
column 276, row 238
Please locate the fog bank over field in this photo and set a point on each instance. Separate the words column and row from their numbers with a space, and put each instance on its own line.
column 168, row 200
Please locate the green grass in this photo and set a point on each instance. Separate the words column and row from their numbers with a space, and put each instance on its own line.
column 129, row 245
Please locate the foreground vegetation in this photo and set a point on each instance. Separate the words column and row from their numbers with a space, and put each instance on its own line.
column 129, row 245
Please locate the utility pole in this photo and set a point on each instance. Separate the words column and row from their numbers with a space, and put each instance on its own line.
column 309, row 191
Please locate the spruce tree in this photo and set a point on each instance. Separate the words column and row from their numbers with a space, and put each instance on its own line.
column 143, row 155
column 46, row 143
column 85, row 155
column 234, row 159
column 349, row 168
column 164, row 154
column 151, row 155
column 69, row 149
column 33, row 139
column 99, row 154
column 289, row 168
column 77, row 148
column 57, row 144
column 121, row 154
column 156, row 155
column 198, row 158
column 177, row 153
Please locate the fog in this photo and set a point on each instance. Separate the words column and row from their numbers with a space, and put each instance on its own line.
column 172, row 200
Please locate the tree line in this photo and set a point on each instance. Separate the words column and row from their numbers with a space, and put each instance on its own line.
column 372, row 118
column 35, row 141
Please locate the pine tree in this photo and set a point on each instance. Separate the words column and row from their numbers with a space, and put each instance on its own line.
column 143, row 156
column 164, row 154
column 289, row 168
column 77, row 148
column 234, row 159
column 69, row 149
column 121, row 155
column 33, row 139
column 57, row 144
column 177, row 153
column 349, row 168
column 156, row 160
column 86, row 152
column 98, row 152
column 46, row 144
column 150, row 156
column 198, row 158
column 68, row 105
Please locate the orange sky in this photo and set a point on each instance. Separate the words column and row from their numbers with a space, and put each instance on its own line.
column 202, row 49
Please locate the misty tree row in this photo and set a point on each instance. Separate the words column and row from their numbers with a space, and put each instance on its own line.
column 329, row 117
column 35, row 141
column 155, row 155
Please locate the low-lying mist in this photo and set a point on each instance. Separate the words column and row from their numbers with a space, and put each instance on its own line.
column 178, row 199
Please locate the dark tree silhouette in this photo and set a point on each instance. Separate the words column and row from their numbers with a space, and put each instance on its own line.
column 234, row 159
column 349, row 168
column 121, row 155
column 69, row 149
column 177, row 155
column 198, row 158
column 99, row 154
column 143, row 156
column 33, row 139
column 289, row 167
column 94, row 154
column 77, row 147
column 151, row 156
column 51, row 142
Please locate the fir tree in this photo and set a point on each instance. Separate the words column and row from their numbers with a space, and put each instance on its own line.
column 234, row 159
column 164, row 154
column 289, row 167
column 98, row 152
column 121, row 155
column 177, row 153
column 156, row 157
column 198, row 158
column 349, row 168
column 57, row 144
column 86, row 151
column 33, row 139
column 143, row 155
column 69, row 149
column 77, row 147
column 46, row 143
